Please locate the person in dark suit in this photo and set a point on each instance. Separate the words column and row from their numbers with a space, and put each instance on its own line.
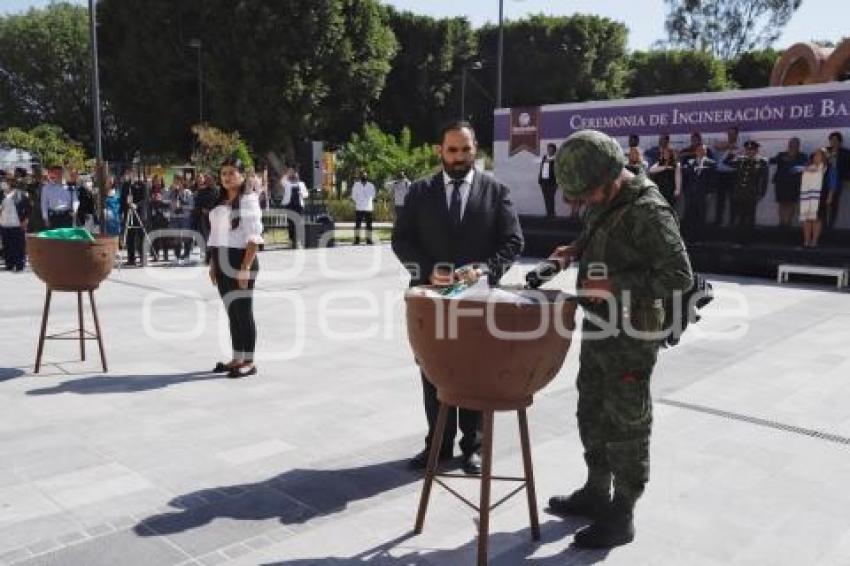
column 546, row 179
column 837, row 176
column 457, row 217
column 699, row 175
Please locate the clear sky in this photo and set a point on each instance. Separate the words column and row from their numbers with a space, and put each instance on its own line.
column 816, row 19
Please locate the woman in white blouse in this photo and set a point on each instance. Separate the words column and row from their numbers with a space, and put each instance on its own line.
column 236, row 229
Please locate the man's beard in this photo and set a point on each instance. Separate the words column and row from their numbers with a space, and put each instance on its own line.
column 458, row 170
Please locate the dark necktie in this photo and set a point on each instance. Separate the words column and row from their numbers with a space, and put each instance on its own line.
column 454, row 208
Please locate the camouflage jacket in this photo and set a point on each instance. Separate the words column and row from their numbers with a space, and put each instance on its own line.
column 635, row 242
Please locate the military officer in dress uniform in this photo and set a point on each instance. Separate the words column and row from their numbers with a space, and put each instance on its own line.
column 751, row 177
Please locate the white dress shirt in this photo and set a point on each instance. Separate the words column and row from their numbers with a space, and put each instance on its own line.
column 364, row 196
column 9, row 210
column 465, row 188
column 544, row 167
column 56, row 197
column 400, row 188
column 287, row 191
column 250, row 224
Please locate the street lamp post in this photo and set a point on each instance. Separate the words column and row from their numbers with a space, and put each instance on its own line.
column 463, row 70
column 197, row 44
column 100, row 168
column 500, row 54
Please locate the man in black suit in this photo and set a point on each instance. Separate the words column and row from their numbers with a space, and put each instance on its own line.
column 699, row 175
column 546, row 179
column 456, row 218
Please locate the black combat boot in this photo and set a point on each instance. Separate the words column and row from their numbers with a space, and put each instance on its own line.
column 591, row 501
column 614, row 528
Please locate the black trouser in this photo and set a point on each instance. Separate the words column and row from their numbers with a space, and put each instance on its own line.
column 832, row 212
column 549, row 190
column 359, row 217
column 470, row 422
column 669, row 194
column 183, row 245
column 745, row 219
column 293, row 220
column 723, row 194
column 60, row 219
column 694, row 218
column 135, row 244
column 239, row 303
column 160, row 244
column 203, row 228
column 14, row 247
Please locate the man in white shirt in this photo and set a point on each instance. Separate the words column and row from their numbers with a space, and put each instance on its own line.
column 14, row 215
column 57, row 202
column 294, row 194
column 363, row 194
column 400, row 187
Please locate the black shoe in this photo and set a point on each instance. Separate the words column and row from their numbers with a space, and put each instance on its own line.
column 583, row 502
column 420, row 461
column 221, row 367
column 472, row 464
column 615, row 528
column 240, row 372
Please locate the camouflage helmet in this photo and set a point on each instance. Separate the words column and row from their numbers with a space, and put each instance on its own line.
column 586, row 160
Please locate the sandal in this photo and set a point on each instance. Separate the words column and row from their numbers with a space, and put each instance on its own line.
column 242, row 371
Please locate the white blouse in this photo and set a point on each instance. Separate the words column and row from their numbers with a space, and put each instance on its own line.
column 250, row 224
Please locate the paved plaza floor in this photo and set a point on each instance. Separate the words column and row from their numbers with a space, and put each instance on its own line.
column 161, row 463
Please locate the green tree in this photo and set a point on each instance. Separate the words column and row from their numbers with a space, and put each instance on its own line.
column 422, row 89
column 276, row 71
column 383, row 155
column 548, row 60
column 49, row 143
column 212, row 146
column 753, row 68
column 45, row 70
column 727, row 28
column 655, row 73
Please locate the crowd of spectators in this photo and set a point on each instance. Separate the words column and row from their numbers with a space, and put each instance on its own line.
column 722, row 184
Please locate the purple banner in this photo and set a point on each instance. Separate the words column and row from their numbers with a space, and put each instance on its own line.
column 768, row 112
column 525, row 130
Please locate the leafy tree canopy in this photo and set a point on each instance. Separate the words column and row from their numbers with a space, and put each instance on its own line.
column 727, row 28
column 212, row 146
column 45, row 69
column 384, row 155
column 753, row 68
column 276, row 71
column 49, row 143
column 656, row 73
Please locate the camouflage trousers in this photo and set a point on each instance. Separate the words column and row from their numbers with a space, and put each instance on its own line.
column 615, row 410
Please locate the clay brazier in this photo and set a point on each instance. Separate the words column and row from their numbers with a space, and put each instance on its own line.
column 489, row 355
column 72, row 265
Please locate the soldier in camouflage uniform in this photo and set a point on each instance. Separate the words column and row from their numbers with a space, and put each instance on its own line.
column 630, row 251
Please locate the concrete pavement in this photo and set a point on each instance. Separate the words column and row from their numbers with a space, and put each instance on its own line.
column 161, row 463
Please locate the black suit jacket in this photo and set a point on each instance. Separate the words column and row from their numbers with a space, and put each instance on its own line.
column 489, row 233
column 697, row 181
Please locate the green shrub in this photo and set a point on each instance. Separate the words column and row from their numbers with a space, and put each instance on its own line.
column 342, row 210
